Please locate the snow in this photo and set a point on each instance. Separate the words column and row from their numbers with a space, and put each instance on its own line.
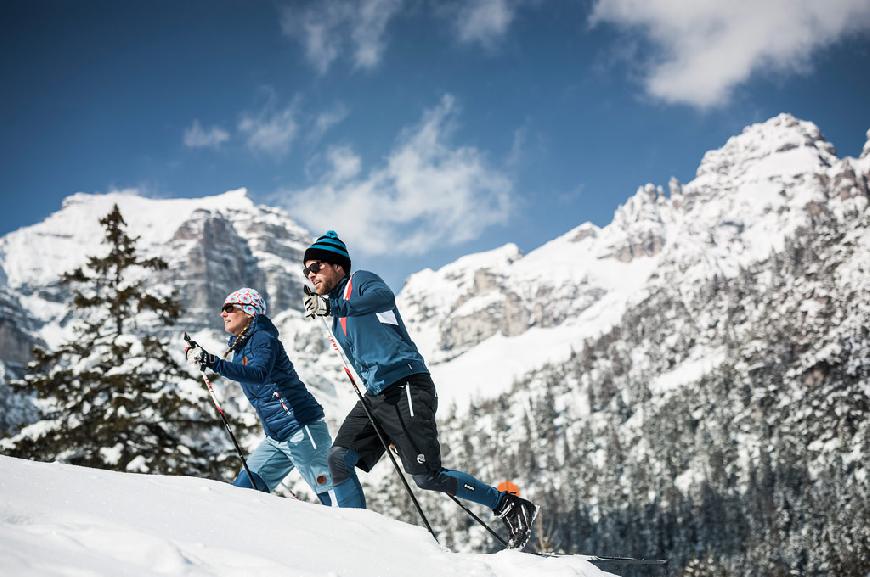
column 688, row 371
column 478, row 304
column 490, row 369
column 62, row 520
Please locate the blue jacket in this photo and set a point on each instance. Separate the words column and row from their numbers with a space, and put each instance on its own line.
column 270, row 382
column 369, row 328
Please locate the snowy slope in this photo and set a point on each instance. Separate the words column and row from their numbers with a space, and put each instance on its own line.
column 62, row 520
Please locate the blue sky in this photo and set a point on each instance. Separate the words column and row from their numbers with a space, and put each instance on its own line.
column 420, row 130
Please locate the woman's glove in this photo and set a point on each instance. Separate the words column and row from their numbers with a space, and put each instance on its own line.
column 197, row 357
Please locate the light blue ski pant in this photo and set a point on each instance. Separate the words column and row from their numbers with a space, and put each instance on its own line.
column 307, row 451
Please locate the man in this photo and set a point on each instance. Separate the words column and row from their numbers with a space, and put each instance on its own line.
column 296, row 434
column 400, row 393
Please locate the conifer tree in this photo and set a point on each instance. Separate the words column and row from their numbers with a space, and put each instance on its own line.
column 113, row 397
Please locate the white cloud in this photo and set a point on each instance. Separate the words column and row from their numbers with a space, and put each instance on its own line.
column 705, row 48
column 197, row 137
column 328, row 30
column 484, row 21
column 343, row 165
column 427, row 194
column 270, row 130
column 324, row 121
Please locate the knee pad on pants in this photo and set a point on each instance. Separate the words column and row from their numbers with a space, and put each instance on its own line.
column 436, row 482
column 341, row 463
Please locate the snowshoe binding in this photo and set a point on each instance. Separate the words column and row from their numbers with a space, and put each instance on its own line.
column 518, row 515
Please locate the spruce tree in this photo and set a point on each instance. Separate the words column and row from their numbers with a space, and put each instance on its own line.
column 113, row 397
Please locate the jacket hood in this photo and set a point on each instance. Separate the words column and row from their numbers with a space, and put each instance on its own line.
column 264, row 323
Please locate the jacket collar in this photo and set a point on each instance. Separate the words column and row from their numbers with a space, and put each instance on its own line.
column 338, row 289
column 259, row 322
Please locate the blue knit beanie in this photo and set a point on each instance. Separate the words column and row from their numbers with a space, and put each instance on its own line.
column 329, row 248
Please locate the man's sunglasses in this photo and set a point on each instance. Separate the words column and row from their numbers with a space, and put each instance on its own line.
column 313, row 268
column 230, row 307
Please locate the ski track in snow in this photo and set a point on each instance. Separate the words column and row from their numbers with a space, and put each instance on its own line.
column 66, row 521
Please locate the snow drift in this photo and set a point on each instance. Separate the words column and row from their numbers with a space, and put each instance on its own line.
column 63, row 520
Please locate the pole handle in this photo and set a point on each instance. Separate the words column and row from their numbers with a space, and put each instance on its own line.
column 192, row 344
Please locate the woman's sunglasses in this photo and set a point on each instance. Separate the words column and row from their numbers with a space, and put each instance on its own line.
column 313, row 268
column 230, row 307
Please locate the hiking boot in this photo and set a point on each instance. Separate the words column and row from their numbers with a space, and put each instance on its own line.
column 517, row 514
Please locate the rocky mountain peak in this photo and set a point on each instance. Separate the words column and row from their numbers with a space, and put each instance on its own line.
column 213, row 245
column 638, row 227
column 781, row 144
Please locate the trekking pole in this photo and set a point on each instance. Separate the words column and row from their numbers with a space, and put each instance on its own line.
column 371, row 417
column 480, row 521
column 192, row 343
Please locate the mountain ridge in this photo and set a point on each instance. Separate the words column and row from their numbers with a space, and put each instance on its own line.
column 470, row 315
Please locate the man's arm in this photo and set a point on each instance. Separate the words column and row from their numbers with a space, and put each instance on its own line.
column 370, row 295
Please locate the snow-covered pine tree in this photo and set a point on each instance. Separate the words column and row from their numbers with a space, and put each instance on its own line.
column 113, row 397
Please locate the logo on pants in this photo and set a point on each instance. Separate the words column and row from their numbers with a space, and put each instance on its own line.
column 421, row 458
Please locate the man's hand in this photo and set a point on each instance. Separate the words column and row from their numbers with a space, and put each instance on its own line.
column 315, row 305
column 198, row 358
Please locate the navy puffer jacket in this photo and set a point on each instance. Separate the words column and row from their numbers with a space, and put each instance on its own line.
column 270, row 382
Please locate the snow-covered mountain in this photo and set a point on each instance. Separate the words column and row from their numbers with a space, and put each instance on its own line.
column 703, row 350
column 492, row 318
column 58, row 520
column 724, row 416
column 485, row 320
column 213, row 245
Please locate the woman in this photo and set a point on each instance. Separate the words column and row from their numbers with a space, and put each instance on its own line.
column 296, row 434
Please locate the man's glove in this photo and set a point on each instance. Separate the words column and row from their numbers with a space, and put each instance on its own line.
column 315, row 305
column 199, row 358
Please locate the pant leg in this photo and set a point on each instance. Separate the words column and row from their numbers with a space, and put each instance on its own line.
column 356, row 445
column 408, row 414
column 460, row 484
column 358, row 434
column 269, row 462
column 347, row 488
column 252, row 481
column 309, row 451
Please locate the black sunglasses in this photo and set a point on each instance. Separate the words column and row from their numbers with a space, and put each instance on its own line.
column 313, row 268
column 230, row 307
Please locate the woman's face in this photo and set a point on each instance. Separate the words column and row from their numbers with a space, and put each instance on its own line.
column 235, row 319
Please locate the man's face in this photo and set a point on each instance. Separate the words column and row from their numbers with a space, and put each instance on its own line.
column 235, row 319
column 323, row 275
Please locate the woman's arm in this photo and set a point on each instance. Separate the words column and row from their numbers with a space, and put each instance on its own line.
column 258, row 366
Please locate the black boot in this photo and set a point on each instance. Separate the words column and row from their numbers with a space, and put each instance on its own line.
column 518, row 514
